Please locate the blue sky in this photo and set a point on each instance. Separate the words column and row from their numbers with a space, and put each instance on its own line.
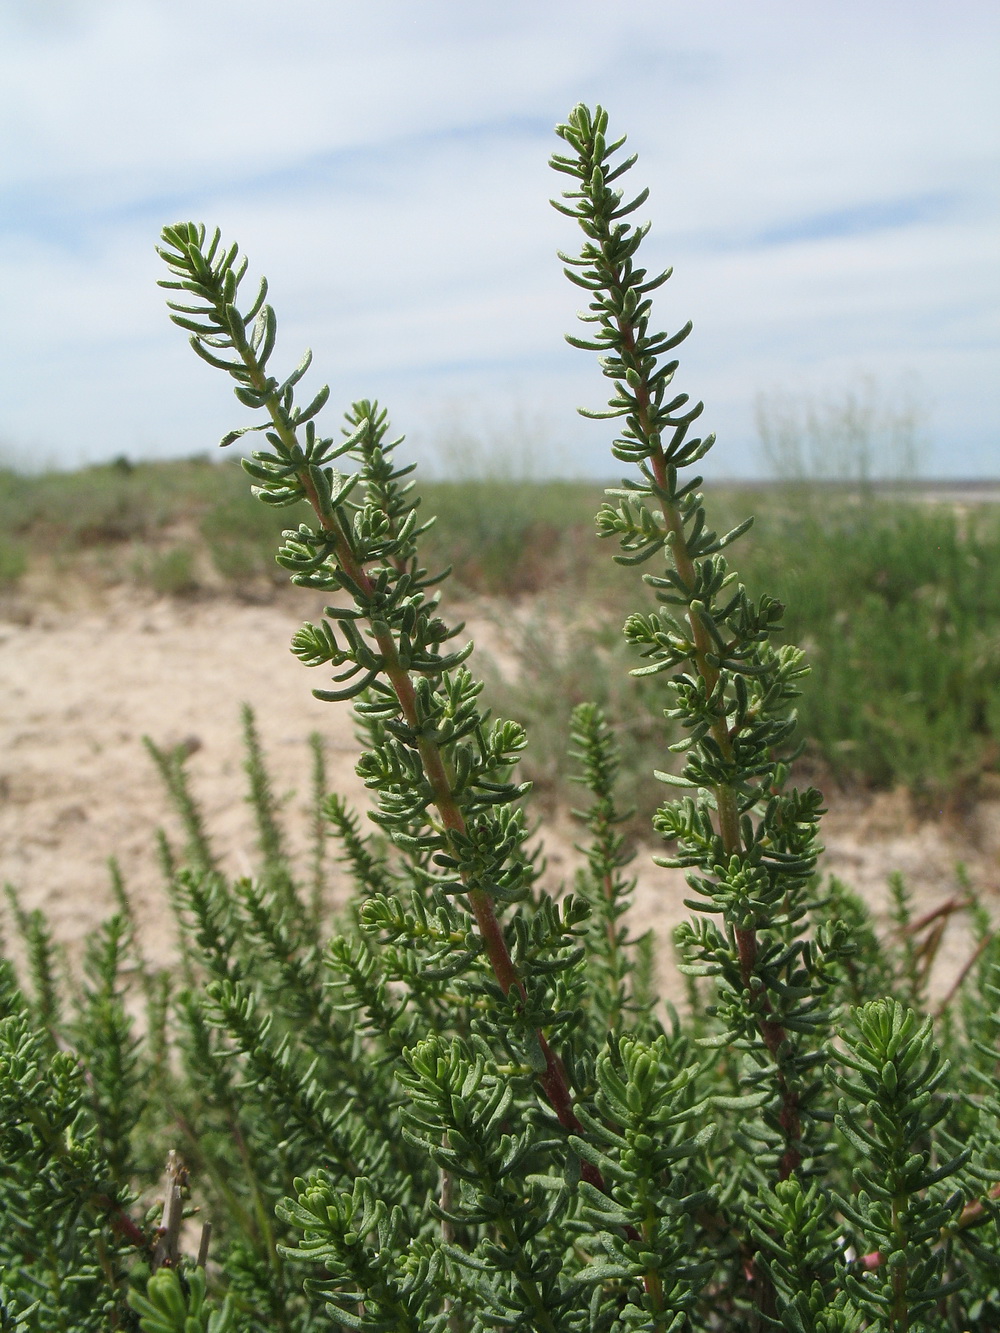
column 824, row 180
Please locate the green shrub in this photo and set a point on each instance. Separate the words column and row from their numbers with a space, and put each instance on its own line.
column 878, row 589
column 905, row 596
column 511, row 537
column 170, row 572
column 560, row 665
column 463, row 1109
column 97, row 506
column 13, row 563
column 241, row 535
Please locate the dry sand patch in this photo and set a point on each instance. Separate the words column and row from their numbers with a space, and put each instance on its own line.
column 79, row 689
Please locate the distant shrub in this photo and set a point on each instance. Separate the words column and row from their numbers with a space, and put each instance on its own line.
column 511, row 537
column 172, row 572
column 907, row 596
column 241, row 534
column 13, row 563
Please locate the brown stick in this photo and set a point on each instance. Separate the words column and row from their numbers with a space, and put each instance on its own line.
column 956, row 985
column 945, row 909
column 166, row 1253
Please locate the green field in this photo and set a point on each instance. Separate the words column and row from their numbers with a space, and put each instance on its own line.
column 898, row 593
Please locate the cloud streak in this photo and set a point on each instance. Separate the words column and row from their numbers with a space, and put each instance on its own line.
column 821, row 180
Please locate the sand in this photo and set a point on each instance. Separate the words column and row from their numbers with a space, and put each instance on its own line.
column 84, row 679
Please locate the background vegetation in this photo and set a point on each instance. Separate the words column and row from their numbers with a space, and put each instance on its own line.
column 880, row 583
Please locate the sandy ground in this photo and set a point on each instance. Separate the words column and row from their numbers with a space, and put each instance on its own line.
column 82, row 683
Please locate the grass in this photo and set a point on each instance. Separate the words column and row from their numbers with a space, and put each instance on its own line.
column 511, row 536
column 905, row 595
column 900, row 592
column 13, row 564
column 171, row 572
column 98, row 506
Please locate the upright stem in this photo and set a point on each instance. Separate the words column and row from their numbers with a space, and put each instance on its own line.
column 772, row 1032
column 553, row 1078
column 729, row 819
column 900, row 1312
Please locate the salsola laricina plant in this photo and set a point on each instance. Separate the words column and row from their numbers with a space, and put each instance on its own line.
column 456, row 1105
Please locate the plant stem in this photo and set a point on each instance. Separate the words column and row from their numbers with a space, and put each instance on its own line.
column 972, row 1215
column 553, row 1079
column 773, row 1033
column 729, row 824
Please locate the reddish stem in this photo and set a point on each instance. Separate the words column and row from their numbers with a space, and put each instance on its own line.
column 120, row 1222
column 971, row 1215
column 945, row 909
column 967, row 967
column 773, row 1033
column 553, row 1079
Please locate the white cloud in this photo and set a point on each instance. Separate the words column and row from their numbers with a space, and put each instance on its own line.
column 385, row 165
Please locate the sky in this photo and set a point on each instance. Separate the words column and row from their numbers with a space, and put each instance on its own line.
column 823, row 179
